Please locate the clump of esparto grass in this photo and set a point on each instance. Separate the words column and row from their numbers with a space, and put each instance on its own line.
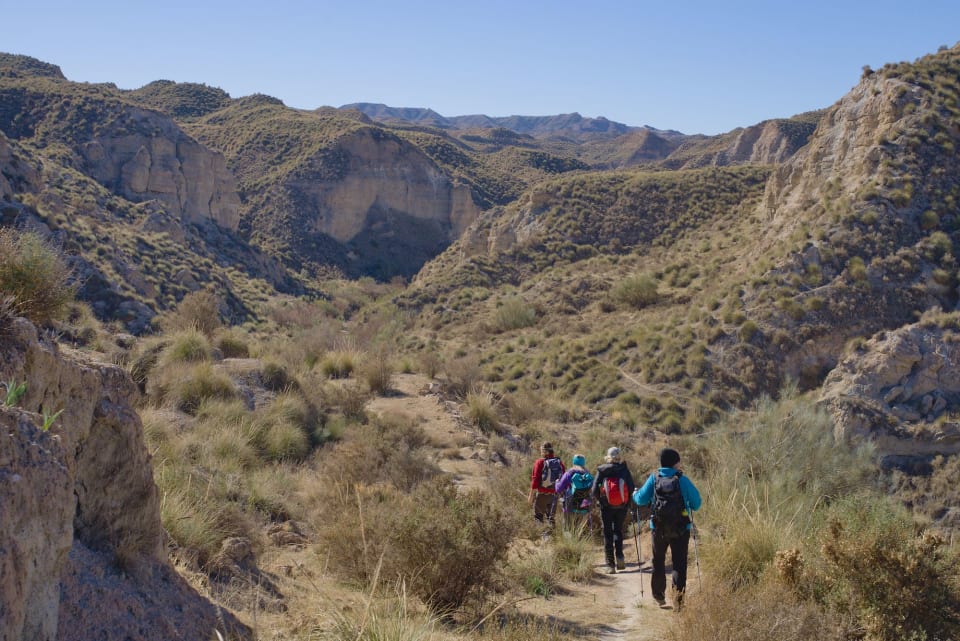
column 232, row 345
column 515, row 313
column 636, row 291
column 199, row 310
column 378, row 372
column 338, row 364
column 275, row 377
column 34, row 275
column 187, row 346
column 186, row 385
column 481, row 411
column 284, row 428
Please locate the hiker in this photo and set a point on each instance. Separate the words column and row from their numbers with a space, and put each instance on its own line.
column 613, row 486
column 575, row 486
column 547, row 470
column 671, row 497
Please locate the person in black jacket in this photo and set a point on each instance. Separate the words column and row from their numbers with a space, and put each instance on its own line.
column 613, row 487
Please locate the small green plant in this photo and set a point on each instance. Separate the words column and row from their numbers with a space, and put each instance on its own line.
column 15, row 392
column 48, row 419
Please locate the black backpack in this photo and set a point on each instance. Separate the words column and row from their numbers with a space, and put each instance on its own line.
column 668, row 509
column 552, row 471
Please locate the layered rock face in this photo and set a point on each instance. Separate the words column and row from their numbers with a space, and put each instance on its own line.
column 142, row 156
column 78, row 500
column 902, row 393
column 383, row 173
column 846, row 148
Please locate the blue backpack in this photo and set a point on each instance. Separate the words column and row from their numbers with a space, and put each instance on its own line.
column 552, row 471
column 578, row 499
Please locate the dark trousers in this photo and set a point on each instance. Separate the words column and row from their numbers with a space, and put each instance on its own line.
column 612, row 519
column 678, row 553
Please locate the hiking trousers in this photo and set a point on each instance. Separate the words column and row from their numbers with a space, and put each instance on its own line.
column 612, row 519
column 544, row 505
column 678, row 552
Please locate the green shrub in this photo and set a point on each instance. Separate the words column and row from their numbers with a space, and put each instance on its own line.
column 283, row 428
column 34, row 276
column 199, row 311
column 338, row 364
column 515, row 313
column 636, row 291
column 378, row 372
column 481, row 412
column 187, row 386
column 857, row 269
column 896, row 584
column 232, row 345
column 748, row 330
column 450, row 544
column 188, row 346
column 275, row 377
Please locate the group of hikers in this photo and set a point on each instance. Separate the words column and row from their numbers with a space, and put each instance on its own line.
column 667, row 495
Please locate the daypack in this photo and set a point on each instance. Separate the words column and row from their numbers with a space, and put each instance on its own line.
column 551, row 473
column 578, row 494
column 615, row 490
column 668, row 509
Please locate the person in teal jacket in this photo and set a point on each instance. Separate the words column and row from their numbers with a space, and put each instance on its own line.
column 671, row 497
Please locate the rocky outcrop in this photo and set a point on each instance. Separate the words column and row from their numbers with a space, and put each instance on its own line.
column 901, row 392
column 144, row 156
column 845, row 151
column 78, row 502
column 767, row 143
column 382, row 172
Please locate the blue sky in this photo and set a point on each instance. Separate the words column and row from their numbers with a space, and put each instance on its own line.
column 693, row 66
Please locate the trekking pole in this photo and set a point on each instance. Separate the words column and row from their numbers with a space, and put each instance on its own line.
column 696, row 549
column 636, row 538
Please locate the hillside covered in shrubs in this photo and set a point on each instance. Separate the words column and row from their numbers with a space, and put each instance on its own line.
column 343, row 453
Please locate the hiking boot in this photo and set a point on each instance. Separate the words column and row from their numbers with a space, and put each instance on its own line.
column 611, row 569
column 677, row 601
column 662, row 602
column 621, row 565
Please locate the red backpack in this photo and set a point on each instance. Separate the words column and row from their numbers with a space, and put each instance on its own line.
column 615, row 491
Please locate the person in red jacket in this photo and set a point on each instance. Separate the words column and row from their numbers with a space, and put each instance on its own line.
column 547, row 470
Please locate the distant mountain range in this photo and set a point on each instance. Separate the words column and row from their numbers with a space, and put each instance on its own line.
column 537, row 126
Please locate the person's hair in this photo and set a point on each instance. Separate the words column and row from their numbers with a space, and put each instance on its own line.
column 613, row 455
column 546, row 447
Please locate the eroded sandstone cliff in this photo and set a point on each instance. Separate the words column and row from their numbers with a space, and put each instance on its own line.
column 81, row 543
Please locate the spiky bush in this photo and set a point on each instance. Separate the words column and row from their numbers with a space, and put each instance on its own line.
column 34, row 275
column 637, row 291
column 450, row 543
column 378, row 371
column 187, row 346
column 199, row 310
column 515, row 313
column 480, row 410
column 896, row 584
column 187, row 386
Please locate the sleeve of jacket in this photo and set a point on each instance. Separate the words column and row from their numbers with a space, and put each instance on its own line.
column 628, row 477
column 644, row 495
column 564, row 482
column 595, row 488
column 691, row 496
column 535, row 476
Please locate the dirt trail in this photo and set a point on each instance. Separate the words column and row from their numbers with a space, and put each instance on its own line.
column 608, row 607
